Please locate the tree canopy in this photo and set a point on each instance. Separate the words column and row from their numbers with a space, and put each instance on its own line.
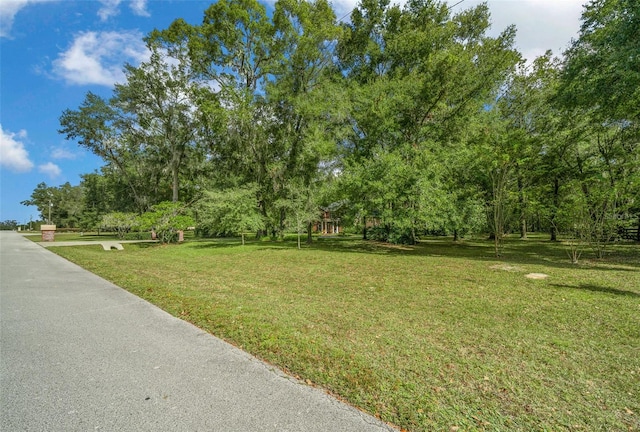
column 412, row 117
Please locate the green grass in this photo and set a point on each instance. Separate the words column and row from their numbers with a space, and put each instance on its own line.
column 74, row 236
column 94, row 236
column 439, row 336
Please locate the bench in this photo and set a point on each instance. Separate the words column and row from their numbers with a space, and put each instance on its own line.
column 111, row 245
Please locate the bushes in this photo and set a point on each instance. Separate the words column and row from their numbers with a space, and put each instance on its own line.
column 166, row 218
column 120, row 222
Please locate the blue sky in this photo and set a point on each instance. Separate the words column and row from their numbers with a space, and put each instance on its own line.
column 52, row 52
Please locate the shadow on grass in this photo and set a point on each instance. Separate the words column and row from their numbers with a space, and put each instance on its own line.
column 516, row 251
column 222, row 243
column 533, row 251
column 596, row 288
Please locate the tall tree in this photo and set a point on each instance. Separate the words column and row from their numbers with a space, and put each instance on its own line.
column 148, row 128
column 272, row 75
column 62, row 205
column 305, row 99
column 602, row 78
column 602, row 68
column 235, row 49
column 532, row 128
column 158, row 101
column 417, row 75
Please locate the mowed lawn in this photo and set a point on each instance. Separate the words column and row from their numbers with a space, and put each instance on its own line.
column 438, row 336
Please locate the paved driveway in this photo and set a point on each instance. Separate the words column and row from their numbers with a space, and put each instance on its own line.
column 78, row 353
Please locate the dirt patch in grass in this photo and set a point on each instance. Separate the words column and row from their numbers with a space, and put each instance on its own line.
column 506, row 267
column 536, row 276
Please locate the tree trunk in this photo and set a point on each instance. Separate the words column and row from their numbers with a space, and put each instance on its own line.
column 309, row 236
column 499, row 184
column 283, row 216
column 175, row 184
column 523, row 211
column 455, row 235
column 556, row 199
column 263, row 211
column 364, row 230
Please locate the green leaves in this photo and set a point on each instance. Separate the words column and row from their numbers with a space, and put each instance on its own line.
column 147, row 129
column 418, row 77
column 235, row 44
column 419, row 115
column 167, row 218
column 602, row 68
column 93, row 125
column 120, row 222
column 230, row 211
column 62, row 205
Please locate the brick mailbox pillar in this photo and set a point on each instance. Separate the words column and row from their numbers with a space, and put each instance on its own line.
column 48, row 232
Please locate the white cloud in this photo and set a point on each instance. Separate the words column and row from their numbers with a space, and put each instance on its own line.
column 109, row 8
column 541, row 24
column 139, row 7
column 63, row 153
column 8, row 11
column 50, row 169
column 13, row 155
column 344, row 7
column 98, row 58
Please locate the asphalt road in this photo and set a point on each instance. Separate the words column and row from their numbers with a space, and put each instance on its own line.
column 78, row 353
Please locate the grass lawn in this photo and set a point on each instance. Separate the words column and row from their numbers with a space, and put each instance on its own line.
column 439, row 336
column 97, row 237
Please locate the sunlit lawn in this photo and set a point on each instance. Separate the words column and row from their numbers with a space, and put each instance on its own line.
column 439, row 336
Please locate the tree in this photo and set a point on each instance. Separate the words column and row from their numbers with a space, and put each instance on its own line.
column 416, row 75
column 98, row 200
column 300, row 207
column 494, row 164
column 601, row 77
column 61, row 205
column 602, row 68
column 306, row 99
column 167, row 219
column 100, row 128
column 230, row 211
column 121, row 223
column 146, row 129
column 43, row 198
column 159, row 101
column 524, row 104
column 9, row 224
column 272, row 76
column 235, row 49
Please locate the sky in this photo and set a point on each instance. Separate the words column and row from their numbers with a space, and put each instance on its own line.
column 52, row 52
